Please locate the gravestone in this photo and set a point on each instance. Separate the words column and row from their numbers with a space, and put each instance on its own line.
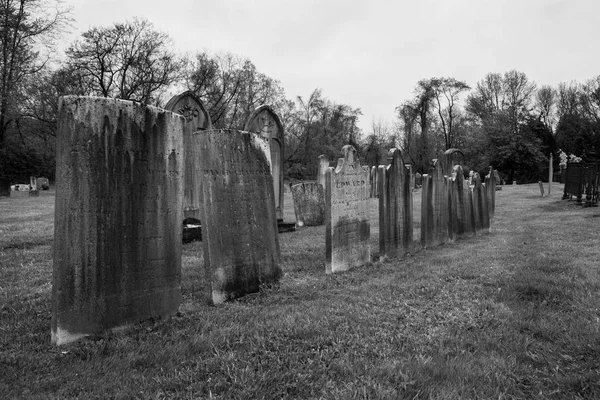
column 449, row 159
column 348, row 229
column 196, row 119
column 426, row 210
column 490, row 189
column 470, row 228
column 479, row 203
column 239, row 224
column 395, row 208
column 309, row 203
column 118, row 213
column 43, row 184
column 437, row 210
column 550, row 172
column 323, row 166
column 373, row 182
column 460, row 210
column 4, row 187
column 541, row 188
column 267, row 124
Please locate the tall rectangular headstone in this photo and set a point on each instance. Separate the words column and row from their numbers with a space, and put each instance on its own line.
column 395, row 208
column 239, row 223
column 437, row 212
column 490, row 189
column 348, row 229
column 309, row 203
column 118, row 213
column 323, row 167
column 426, row 211
column 550, row 172
column 478, row 202
column 197, row 118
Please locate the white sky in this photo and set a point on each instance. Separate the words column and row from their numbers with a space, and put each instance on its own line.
column 371, row 53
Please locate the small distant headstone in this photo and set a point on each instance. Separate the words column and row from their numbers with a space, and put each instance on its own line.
column 541, row 188
column 478, row 199
column 348, row 229
column 497, row 180
column 395, row 207
column 196, row 119
column 239, row 223
column 119, row 195
column 265, row 121
column 323, row 166
column 43, row 184
column 309, row 203
column 4, row 187
column 514, row 183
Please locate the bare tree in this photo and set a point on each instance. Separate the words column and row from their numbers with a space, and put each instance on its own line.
column 545, row 104
column 28, row 30
column 130, row 61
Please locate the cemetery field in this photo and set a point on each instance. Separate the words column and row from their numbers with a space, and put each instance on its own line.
column 514, row 313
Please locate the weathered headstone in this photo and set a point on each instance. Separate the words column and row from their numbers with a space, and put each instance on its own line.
column 265, row 121
column 118, row 213
column 436, row 227
column 490, row 190
column 323, row 166
column 239, row 224
column 196, row 119
column 42, row 183
column 373, row 181
column 348, row 229
column 309, row 203
column 541, row 188
column 449, row 159
column 4, row 187
column 426, row 210
column 461, row 216
column 479, row 196
column 395, row 208
column 550, row 173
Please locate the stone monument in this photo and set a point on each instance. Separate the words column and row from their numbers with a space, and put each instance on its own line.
column 196, row 119
column 118, row 213
column 395, row 208
column 309, row 203
column 265, row 121
column 348, row 229
column 239, row 224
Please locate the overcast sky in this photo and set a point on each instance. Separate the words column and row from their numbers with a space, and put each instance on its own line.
column 370, row 54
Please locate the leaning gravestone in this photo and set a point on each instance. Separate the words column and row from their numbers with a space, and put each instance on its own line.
column 4, row 187
column 267, row 124
column 395, row 208
column 239, row 224
column 348, row 229
column 309, row 203
column 118, row 213
column 196, row 119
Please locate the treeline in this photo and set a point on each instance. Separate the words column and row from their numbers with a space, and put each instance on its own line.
column 505, row 120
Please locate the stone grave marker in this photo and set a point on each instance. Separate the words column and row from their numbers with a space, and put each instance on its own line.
column 437, row 211
column 426, row 210
column 395, row 208
column 348, row 229
column 541, row 188
column 4, row 187
column 196, row 119
column 490, row 190
column 459, row 210
column 239, row 223
column 309, row 203
column 265, row 121
column 323, row 166
column 479, row 197
column 118, row 213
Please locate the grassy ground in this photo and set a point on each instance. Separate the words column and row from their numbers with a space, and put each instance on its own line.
column 512, row 314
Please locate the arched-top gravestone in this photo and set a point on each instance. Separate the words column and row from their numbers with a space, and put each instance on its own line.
column 265, row 121
column 449, row 159
column 196, row 119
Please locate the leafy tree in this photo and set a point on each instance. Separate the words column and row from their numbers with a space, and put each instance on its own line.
column 129, row 61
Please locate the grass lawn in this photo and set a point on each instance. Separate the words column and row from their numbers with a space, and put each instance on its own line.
column 511, row 314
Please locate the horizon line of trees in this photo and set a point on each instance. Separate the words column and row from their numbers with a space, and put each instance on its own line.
column 505, row 120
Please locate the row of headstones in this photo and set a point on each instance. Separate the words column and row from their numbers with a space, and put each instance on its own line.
column 119, row 204
column 123, row 171
column 450, row 208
